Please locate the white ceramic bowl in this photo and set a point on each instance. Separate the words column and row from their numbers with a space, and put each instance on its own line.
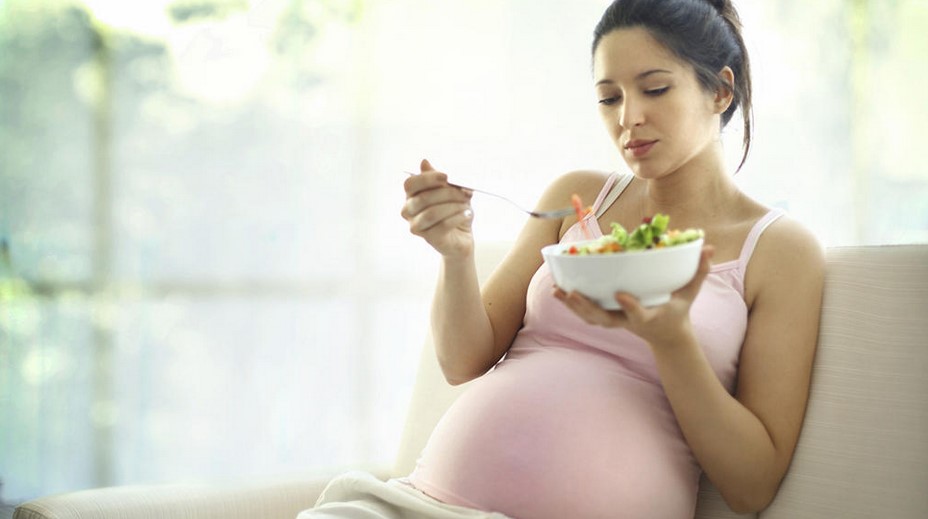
column 650, row 275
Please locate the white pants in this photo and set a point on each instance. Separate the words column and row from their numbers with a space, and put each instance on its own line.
column 359, row 495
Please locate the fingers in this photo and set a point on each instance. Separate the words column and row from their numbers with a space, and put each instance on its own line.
column 432, row 205
column 427, row 192
column 630, row 305
column 429, row 198
column 448, row 206
column 428, row 178
column 589, row 311
column 446, row 217
column 425, row 181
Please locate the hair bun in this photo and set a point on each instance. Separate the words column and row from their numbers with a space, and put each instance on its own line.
column 720, row 5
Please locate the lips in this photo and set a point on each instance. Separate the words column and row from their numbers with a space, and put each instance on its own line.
column 639, row 147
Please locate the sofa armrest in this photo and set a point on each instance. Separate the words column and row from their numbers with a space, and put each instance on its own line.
column 271, row 500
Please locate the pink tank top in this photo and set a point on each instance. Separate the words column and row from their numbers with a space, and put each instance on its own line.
column 574, row 422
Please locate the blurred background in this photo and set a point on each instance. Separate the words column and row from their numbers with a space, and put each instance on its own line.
column 203, row 271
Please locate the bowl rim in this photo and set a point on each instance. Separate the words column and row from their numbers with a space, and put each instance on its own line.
column 551, row 250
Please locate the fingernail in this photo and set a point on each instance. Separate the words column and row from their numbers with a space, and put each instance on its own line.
column 468, row 213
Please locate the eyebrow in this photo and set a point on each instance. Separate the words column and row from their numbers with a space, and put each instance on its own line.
column 639, row 76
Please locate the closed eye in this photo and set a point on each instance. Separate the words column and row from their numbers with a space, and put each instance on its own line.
column 657, row 91
column 609, row 101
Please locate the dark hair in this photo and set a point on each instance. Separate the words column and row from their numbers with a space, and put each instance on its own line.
column 704, row 33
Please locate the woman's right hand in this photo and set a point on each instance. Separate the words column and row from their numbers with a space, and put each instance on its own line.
column 438, row 212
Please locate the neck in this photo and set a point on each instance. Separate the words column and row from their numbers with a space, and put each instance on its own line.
column 697, row 191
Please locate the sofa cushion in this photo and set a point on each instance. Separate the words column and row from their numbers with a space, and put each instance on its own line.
column 863, row 451
column 271, row 499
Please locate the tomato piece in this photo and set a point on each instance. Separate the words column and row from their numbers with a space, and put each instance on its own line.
column 578, row 208
column 578, row 205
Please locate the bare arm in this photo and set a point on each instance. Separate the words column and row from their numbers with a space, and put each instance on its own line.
column 461, row 329
column 473, row 329
column 745, row 443
column 775, row 367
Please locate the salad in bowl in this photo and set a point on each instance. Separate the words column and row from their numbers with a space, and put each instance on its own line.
column 650, row 262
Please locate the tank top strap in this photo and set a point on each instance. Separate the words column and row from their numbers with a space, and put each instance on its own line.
column 602, row 194
column 614, row 187
column 759, row 227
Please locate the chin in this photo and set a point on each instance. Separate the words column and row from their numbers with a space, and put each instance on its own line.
column 647, row 171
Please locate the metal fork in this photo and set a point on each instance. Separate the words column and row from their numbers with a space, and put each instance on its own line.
column 556, row 213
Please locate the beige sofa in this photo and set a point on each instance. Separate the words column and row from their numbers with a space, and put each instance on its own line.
column 863, row 450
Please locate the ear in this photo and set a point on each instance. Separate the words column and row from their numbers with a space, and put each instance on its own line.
column 725, row 95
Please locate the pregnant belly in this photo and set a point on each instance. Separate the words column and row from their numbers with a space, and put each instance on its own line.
column 554, row 432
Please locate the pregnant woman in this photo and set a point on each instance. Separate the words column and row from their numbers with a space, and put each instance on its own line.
column 580, row 412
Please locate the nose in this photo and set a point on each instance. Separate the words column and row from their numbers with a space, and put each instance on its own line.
column 631, row 114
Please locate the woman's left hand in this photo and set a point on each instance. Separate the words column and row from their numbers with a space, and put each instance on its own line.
column 662, row 324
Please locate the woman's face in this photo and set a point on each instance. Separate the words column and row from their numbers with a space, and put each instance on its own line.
column 655, row 110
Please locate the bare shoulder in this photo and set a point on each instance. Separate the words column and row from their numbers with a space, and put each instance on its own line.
column 540, row 232
column 585, row 183
column 787, row 254
column 788, row 241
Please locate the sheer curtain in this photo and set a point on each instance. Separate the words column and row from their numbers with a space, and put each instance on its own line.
column 205, row 273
